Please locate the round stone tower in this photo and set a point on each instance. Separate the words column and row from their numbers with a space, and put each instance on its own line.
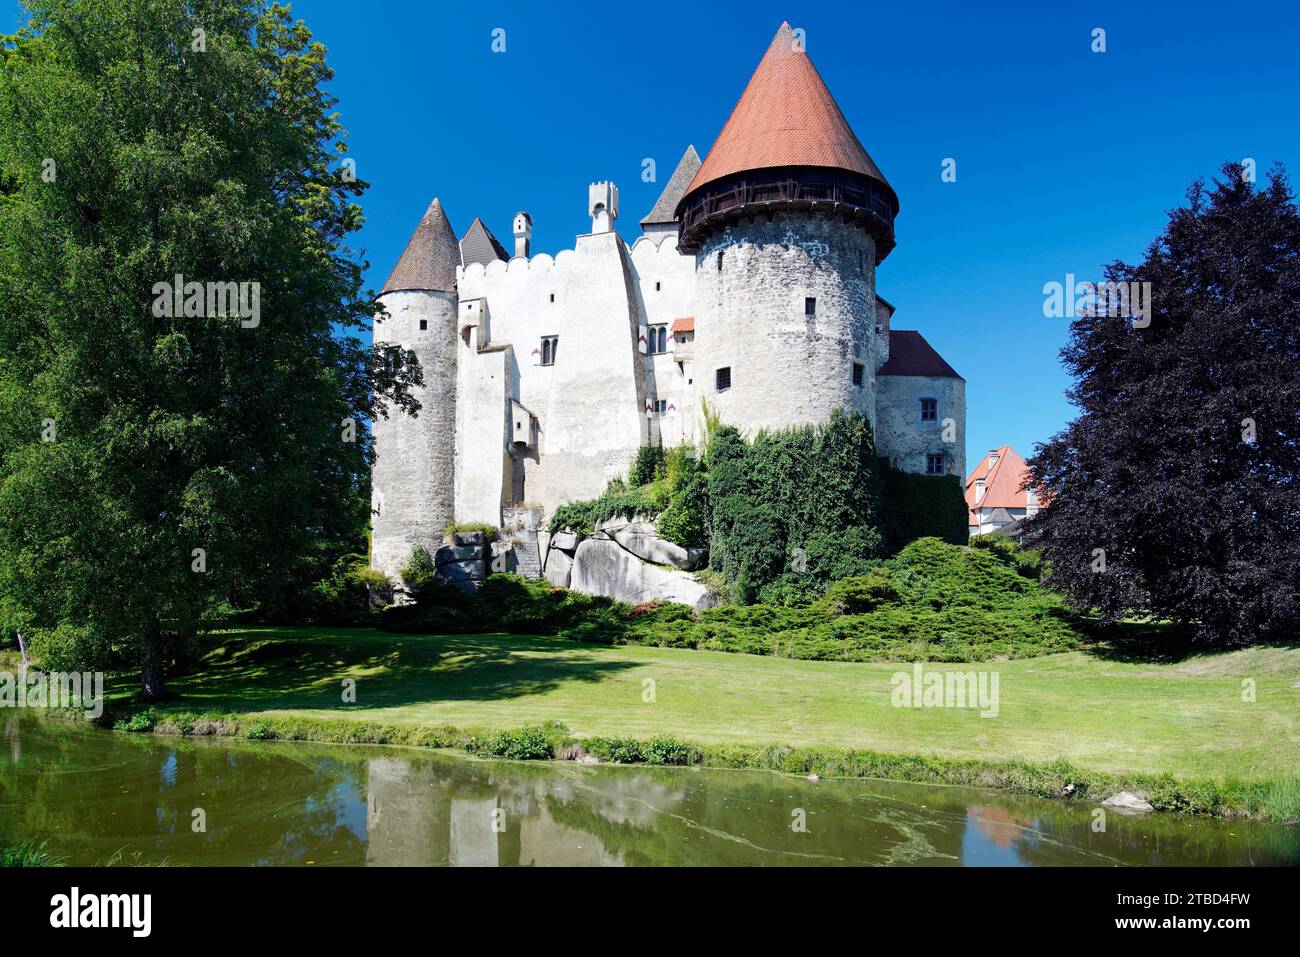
column 412, row 482
column 788, row 218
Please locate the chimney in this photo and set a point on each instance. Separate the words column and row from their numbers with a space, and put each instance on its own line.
column 602, row 204
column 523, row 233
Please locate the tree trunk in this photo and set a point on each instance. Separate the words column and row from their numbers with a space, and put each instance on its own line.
column 151, row 673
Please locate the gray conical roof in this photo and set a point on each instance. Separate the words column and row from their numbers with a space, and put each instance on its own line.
column 430, row 258
column 665, row 208
column 478, row 245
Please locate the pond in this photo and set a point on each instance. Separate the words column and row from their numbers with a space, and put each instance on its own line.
column 96, row 797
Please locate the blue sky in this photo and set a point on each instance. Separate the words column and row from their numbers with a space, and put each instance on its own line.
column 1066, row 159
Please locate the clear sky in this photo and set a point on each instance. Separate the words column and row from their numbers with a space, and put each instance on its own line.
column 1066, row 159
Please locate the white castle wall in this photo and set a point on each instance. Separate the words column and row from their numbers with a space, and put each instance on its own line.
column 412, row 484
column 590, row 404
column 786, row 368
column 656, row 262
column 903, row 437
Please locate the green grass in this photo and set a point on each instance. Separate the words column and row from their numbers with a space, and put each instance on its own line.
column 28, row 854
column 1185, row 718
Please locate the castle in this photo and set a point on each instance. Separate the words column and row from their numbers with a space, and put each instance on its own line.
column 751, row 288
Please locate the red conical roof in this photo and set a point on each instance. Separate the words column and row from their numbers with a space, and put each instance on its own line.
column 430, row 258
column 785, row 117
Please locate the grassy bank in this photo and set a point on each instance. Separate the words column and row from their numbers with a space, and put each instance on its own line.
column 1178, row 731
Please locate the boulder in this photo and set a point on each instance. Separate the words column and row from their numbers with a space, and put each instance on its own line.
column 641, row 538
column 564, row 541
column 466, row 575
column 1127, row 801
column 559, row 567
column 602, row 567
column 448, row 554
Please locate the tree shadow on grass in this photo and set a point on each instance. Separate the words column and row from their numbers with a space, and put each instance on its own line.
column 1150, row 642
column 288, row 669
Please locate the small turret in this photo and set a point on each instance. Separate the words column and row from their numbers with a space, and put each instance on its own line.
column 602, row 204
column 523, row 233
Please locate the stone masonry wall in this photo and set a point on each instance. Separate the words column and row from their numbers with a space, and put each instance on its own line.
column 412, row 481
column 787, row 368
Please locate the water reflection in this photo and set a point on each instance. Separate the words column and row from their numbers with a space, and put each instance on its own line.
column 92, row 795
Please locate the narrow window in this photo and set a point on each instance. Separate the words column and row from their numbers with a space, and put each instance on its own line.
column 658, row 286
column 658, row 339
column 858, row 372
column 934, row 464
column 552, row 297
column 929, row 410
column 810, row 306
column 720, row 262
column 550, row 345
column 723, row 380
column 424, row 324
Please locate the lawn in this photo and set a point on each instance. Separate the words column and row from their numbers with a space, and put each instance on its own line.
column 1105, row 714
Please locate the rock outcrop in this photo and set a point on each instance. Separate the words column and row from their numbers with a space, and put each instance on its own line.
column 601, row 566
column 463, row 563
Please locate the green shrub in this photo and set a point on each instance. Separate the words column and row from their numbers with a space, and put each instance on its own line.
column 648, row 466
column 853, row 596
column 1026, row 561
column 139, row 722
column 419, row 571
column 260, row 730
column 524, row 744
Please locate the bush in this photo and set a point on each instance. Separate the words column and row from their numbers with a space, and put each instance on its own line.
column 648, row 466
column 1026, row 561
column 524, row 744
column 419, row 571
column 139, row 722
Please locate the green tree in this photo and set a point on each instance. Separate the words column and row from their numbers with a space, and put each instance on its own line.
column 155, row 461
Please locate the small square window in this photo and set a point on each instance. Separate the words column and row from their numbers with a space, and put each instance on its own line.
column 934, row 464
column 929, row 410
column 661, row 406
column 810, row 306
column 858, row 373
column 723, row 380
column 424, row 324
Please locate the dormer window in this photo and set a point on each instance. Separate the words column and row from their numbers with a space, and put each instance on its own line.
column 979, row 491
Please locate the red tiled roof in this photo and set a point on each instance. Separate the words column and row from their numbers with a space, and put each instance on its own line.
column 785, row 117
column 1001, row 481
column 910, row 354
column 684, row 324
column 430, row 258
